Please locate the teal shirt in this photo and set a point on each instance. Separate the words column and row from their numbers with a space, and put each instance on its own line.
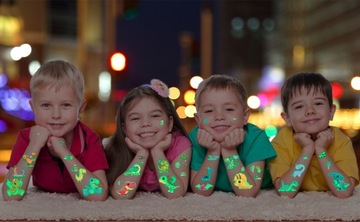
column 256, row 147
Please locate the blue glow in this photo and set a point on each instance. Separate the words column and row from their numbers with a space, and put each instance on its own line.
column 3, row 80
column 3, row 126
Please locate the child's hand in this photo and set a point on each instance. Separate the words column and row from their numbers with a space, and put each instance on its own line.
column 134, row 147
column 165, row 143
column 305, row 142
column 233, row 139
column 39, row 135
column 57, row 145
column 324, row 139
column 206, row 140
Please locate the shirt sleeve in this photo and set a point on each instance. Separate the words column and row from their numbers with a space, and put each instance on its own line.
column 19, row 148
column 93, row 158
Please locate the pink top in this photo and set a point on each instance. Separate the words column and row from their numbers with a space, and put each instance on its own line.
column 179, row 144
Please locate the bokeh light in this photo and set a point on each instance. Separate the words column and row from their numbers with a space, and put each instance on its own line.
column 174, row 93
column 189, row 97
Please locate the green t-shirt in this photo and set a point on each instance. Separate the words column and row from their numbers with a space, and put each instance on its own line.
column 256, row 147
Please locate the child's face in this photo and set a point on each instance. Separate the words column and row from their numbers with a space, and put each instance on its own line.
column 219, row 112
column 309, row 112
column 147, row 123
column 58, row 111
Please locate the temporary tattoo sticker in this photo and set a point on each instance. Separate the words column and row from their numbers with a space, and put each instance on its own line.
column 241, row 181
column 163, row 166
column 206, row 120
column 18, row 173
column 339, row 182
column 203, row 186
column 177, row 165
column 80, row 174
column 30, row 159
column 328, row 164
column 231, row 162
column 15, row 187
column 299, row 169
column 128, row 186
column 170, row 184
column 161, row 122
column 212, row 158
column 234, row 118
column 322, row 155
column 207, row 177
column 134, row 170
column 288, row 187
column 92, row 187
column 69, row 157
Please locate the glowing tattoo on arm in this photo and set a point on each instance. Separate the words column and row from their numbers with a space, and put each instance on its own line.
column 322, row 155
column 15, row 187
column 169, row 183
column 256, row 169
column 134, row 170
column 231, row 162
column 299, row 169
column 128, row 186
column 328, row 164
column 29, row 159
column 92, row 187
column 212, row 158
column 288, row 187
column 68, row 157
column 339, row 182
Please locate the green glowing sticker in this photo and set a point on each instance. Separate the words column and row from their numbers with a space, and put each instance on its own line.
column 203, row 186
column 92, row 187
column 234, row 118
column 288, row 187
column 177, row 165
column 328, row 164
column 305, row 157
column 68, row 157
column 62, row 142
column 134, row 170
column 206, row 121
column 161, row 122
column 15, row 187
column 212, row 158
column 170, row 184
column 183, row 174
column 231, row 162
column 322, row 155
column 163, row 166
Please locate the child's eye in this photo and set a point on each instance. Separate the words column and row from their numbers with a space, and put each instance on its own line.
column 208, row 111
column 319, row 103
column 134, row 118
column 66, row 105
column 230, row 109
column 45, row 105
column 298, row 107
column 155, row 115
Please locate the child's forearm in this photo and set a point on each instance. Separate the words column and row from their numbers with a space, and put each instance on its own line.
column 289, row 184
column 338, row 182
column 18, row 177
column 126, row 185
column 204, row 181
column 89, row 186
column 171, row 184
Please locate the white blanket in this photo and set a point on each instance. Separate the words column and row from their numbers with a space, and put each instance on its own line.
column 268, row 205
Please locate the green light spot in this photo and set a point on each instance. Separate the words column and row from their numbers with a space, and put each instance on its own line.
column 206, row 120
column 271, row 131
column 161, row 122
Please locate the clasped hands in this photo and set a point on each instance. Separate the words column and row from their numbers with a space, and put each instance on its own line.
column 316, row 145
column 162, row 145
column 230, row 141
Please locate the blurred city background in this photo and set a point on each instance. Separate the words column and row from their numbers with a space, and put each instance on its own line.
column 121, row 44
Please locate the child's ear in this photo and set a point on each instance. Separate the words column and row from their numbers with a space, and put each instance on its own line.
column 286, row 118
column 171, row 123
column 332, row 111
column 246, row 116
column 82, row 106
column 31, row 103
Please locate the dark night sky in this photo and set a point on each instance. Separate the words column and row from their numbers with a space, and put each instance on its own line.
column 151, row 40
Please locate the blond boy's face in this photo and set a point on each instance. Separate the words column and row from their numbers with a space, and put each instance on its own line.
column 309, row 112
column 58, row 111
column 219, row 112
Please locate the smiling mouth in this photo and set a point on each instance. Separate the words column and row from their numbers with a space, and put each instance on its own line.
column 221, row 128
column 144, row 135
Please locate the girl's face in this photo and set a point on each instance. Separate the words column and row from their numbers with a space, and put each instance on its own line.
column 146, row 123
column 220, row 112
column 58, row 111
column 309, row 112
